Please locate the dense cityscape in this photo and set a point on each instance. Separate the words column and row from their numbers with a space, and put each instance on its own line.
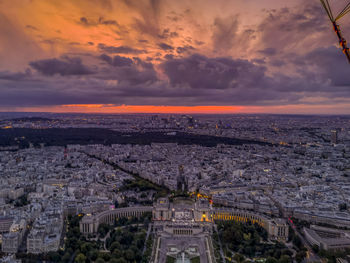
column 280, row 181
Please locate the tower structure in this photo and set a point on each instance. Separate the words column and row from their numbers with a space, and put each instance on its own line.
column 181, row 180
column 334, row 136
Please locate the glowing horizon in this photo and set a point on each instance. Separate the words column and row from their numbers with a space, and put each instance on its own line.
column 152, row 109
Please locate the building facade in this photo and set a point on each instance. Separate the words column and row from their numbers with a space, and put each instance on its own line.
column 10, row 242
column 90, row 222
column 327, row 238
column 184, row 209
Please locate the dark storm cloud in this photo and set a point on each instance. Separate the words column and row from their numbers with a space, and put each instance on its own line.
column 331, row 65
column 107, row 59
column 199, row 43
column 64, row 66
column 114, row 83
column 101, row 21
column 134, row 81
column 301, row 39
column 117, row 61
column 277, row 62
column 169, row 56
column 165, row 46
column 268, row 51
column 128, row 72
column 200, row 72
column 294, row 29
column 32, row 27
column 185, row 49
column 166, row 34
column 142, row 63
column 15, row 76
column 192, row 80
column 224, row 80
column 120, row 49
column 84, row 21
column 290, row 39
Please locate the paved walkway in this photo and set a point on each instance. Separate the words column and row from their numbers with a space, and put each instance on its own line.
column 220, row 245
column 148, row 232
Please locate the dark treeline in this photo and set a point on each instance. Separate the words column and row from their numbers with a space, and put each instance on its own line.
column 61, row 137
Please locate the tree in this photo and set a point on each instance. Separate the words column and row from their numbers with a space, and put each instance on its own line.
column 129, row 255
column 117, row 253
column 170, row 260
column 343, row 207
column 105, row 256
column 277, row 253
column 140, row 243
column 92, row 254
column 114, row 245
column 271, row 260
column 227, row 236
column 238, row 258
column 54, row 256
column 316, row 248
column 66, row 257
column 119, row 260
column 300, row 256
column 297, row 241
column 126, row 239
column 287, row 252
column 80, row 258
column 103, row 229
column 284, row 259
column 85, row 247
column 249, row 250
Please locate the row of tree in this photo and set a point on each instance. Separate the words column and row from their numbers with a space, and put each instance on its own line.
column 250, row 240
column 123, row 245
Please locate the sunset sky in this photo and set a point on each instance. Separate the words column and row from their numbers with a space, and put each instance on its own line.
column 194, row 56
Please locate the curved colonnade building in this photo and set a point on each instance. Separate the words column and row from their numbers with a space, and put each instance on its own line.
column 276, row 228
column 89, row 223
column 171, row 213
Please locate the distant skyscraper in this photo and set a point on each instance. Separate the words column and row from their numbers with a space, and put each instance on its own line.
column 181, row 180
column 334, row 136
